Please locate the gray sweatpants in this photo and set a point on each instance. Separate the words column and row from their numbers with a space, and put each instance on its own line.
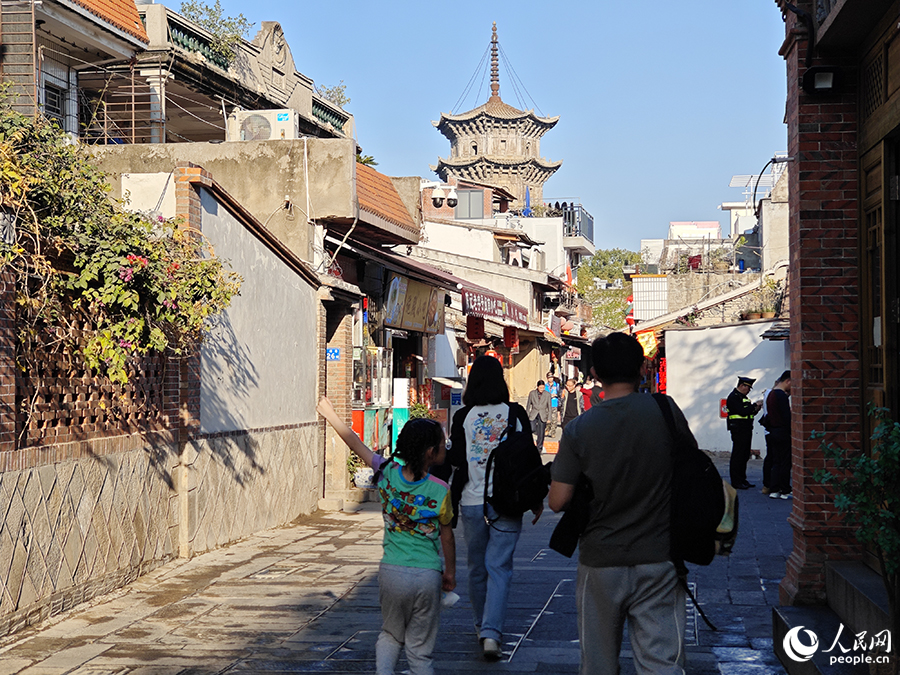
column 410, row 613
column 652, row 601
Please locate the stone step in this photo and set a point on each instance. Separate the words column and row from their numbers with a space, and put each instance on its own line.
column 825, row 623
column 857, row 595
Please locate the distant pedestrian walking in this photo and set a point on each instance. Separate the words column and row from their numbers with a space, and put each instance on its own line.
column 586, row 390
column 571, row 403
column 625, row 572
column 417, row 515
column 538, row 410
column 741, row 412
column 553, row 388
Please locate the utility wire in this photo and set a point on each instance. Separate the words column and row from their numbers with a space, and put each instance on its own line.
column 516, row 77
column 471, row 82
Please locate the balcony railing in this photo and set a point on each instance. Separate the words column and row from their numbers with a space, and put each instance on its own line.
column 328, row 116
column 185, row 38
column 577, row 222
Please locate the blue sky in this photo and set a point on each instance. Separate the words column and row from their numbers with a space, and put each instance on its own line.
column 660, row 102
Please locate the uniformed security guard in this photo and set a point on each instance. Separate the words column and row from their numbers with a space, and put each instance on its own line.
column 740, row 423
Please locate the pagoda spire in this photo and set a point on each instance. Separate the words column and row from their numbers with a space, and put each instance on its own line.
column 495, row 66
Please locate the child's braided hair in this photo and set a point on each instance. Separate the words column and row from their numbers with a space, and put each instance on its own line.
column 416, row 437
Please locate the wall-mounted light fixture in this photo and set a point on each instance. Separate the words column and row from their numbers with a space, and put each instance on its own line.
column 820, row 80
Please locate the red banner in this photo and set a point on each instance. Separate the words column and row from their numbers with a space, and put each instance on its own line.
column 491, row 306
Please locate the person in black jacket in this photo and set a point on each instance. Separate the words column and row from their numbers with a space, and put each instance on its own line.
column 474, row 433
column 741, row 412
column 778, row 424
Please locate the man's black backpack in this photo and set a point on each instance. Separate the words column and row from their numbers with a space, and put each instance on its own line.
column 698, row 497
column 520, row 480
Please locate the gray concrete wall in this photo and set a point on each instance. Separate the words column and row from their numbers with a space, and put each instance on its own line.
column 317, row 176
column 686, row 290
column 773, row 225
column 259, row 361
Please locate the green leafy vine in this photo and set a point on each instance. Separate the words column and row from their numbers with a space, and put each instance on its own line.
column 91, row 279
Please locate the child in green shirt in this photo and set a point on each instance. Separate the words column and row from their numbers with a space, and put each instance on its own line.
column 417, row 515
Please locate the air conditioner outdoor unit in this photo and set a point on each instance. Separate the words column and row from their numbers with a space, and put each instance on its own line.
column 263, row 125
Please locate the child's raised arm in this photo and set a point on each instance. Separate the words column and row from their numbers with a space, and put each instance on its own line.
column 326, row 410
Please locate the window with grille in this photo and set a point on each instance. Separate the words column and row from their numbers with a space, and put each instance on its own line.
column 54, row 103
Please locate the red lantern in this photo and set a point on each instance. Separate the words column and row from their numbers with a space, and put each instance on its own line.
column 491, row 352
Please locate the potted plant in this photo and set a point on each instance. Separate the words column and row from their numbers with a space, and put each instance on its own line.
column 360, row 474
column 866, row 489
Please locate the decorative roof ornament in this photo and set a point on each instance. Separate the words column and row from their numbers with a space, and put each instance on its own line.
column 495, row 66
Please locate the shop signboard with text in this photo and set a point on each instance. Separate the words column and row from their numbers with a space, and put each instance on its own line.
column 492, row 306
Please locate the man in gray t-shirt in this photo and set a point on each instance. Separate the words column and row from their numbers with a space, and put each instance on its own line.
column 624, row 448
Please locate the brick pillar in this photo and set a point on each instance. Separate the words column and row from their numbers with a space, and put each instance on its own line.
column 824, row 288
column 188, row 207
column 338, row 378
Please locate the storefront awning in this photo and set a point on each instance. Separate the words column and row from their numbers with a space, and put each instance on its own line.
column 414, row 268
column 477, row 300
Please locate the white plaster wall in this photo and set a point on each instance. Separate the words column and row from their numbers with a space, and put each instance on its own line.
column 259, row 360
column 445, row 348
column 147, row 192
column 703, row 367
column 460, row 240
column 549, row 231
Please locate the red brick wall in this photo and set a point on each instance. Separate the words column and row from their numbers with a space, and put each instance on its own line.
column 824, row 288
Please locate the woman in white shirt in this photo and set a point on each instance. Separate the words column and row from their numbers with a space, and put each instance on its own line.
column 475, row 432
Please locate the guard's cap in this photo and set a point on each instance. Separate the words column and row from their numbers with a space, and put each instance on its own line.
column 746, row 380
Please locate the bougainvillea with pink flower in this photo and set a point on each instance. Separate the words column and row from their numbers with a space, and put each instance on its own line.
column 92, row 278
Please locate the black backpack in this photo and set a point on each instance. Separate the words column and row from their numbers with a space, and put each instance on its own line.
column 520, row 480
column 698, row 497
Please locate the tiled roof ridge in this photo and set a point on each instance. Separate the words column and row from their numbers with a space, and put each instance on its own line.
column 468, row 161
column 377, row 194
column 122, row 14
column 497, row 108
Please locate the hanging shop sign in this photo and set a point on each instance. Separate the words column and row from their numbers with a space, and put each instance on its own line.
column 474, row 328
column 574, row 354
column 492, row 306
column 396, row 298
column 648, row 342
column 411, row 305
column 434, row 317
column 663, row 381
column 416, row 306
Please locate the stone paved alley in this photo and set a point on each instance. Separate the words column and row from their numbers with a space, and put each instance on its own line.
column 304, row 598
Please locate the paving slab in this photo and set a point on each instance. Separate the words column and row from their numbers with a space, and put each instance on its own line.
column 303, row 598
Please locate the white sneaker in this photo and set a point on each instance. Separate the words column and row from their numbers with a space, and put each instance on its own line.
column 492, row 649
column 786, row 495
column 774, row 495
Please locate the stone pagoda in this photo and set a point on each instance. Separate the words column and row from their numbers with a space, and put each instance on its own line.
column 497, row 145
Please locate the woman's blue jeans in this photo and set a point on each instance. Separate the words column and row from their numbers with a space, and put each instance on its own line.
column 490, row 558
